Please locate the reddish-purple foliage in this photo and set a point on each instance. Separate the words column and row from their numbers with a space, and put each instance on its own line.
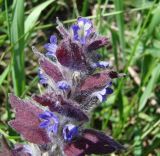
column 27, row 121
column 96, row 81
column 98, row 43
column 51, row 69
column 92, row 142
column 70, row 54
column 64, row 106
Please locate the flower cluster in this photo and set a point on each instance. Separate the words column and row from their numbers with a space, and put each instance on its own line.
column 76, row 81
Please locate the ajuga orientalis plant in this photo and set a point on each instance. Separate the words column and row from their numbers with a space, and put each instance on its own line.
column 75, row 81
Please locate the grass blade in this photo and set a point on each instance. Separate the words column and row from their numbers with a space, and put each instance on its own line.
column 146, row 94
column 85, row 7
column 34, row 15
column 4, row 75
column 120, row 23
column 17, row 30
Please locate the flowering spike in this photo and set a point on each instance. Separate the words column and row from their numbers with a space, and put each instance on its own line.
column 54, row 121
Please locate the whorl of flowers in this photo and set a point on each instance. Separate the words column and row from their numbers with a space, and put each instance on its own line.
column 76, row 81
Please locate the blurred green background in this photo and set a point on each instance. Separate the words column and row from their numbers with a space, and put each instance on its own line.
column 132, row 114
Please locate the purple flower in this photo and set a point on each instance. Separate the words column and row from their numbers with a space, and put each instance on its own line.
column 51, row 47
column 82, row 29
column 101, row 64
column 50, row 121
column 69, row 132
column 102, row 94
column 42, row 78
column 75, row 29
column 63, row 85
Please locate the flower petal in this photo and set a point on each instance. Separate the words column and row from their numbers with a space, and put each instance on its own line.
column 75, row 29
column 53, row 39
column 109, row 91
column 50, row 47
column 63, row 85
column 69, row 132
column 44, row 124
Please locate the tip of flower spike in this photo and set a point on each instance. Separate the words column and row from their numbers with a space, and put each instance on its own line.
column 82, row 29
column 85, row 23
column 58, row 22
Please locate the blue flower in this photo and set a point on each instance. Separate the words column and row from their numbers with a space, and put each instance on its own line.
column 51, row 47
column 42, row 77
column 49, row 121
column 69, row 132
column 63, row 85
column 75, row 29
column 101, row 64
column 102, row 94
column 82, row 30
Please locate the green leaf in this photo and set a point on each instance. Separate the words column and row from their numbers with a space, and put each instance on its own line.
column 34, row 15
column 150, row 86
column 4, row 75
column 155, row 144
column 120, row 22
column 137, row 141
column 155, row 52
column 17, row 41
column 155, row 21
